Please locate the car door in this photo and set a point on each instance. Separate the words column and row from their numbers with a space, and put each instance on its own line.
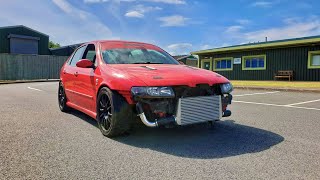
column 85, row 83
column 70, row 74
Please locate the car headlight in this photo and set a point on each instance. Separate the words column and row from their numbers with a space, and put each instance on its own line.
column 226, row 88
column 162, row 92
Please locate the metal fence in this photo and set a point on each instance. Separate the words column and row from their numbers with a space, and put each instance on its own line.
column 33, row 67
column 30, row 67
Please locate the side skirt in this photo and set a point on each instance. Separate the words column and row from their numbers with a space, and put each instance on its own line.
column 86, row 111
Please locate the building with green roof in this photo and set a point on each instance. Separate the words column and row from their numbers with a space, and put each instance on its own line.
column 260, row 61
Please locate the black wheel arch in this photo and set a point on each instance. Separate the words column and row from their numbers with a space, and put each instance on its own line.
column 122, row 111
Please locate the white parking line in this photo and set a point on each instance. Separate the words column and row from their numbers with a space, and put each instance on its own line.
column 305, row 102
column 34, row 89
column 298, row 107
column 240, row 95
column 266, row 104
column 276, row 105
column 40, row 84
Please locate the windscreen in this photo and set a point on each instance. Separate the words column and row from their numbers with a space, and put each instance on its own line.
column 137, row 55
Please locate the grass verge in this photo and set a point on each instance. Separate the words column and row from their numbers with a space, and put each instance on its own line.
column 278, row 84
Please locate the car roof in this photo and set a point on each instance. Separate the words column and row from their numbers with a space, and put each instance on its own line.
column 111, row 44
column 117, row 41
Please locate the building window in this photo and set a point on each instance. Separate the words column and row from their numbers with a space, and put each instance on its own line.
column 257, row 62
column 314, row 59
column 223, row 64
column 206, row 64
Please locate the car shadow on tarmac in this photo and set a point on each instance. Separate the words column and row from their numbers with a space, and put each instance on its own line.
column 224, row 139
column 84, row 117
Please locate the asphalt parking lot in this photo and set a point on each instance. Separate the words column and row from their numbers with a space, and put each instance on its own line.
column 271, row 135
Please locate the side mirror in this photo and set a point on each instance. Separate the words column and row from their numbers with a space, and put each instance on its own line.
column 84, row 63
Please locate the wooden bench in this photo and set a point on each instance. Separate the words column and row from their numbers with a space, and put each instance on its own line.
column 284, row 74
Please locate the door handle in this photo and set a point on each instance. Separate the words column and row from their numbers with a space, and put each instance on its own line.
column 76, row 73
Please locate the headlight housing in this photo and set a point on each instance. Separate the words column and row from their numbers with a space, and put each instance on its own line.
column 226, row 88
column 152, row 92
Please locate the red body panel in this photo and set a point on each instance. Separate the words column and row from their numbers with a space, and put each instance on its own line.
column 82, row 84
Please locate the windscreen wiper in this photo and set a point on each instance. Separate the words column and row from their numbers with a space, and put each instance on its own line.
column 148, row 62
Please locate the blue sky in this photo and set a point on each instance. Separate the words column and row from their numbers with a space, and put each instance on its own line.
column 178, row 26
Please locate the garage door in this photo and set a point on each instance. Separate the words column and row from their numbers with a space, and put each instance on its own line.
column 23, row 44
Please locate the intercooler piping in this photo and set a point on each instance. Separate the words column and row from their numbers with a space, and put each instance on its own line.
column 157, row 122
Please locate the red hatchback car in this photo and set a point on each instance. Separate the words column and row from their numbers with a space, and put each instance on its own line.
column 115, row 81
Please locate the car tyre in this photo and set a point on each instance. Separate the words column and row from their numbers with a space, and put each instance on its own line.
column 114, row 115
column 62, row 99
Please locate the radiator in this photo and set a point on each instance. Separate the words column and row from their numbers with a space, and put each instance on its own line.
column 199, row 109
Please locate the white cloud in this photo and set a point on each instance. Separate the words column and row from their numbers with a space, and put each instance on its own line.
column 243, row 21
column 263, row 4
column 169, row 1
column 138, row 11
column 293, row 20
column 155, row 1
column 94, row 1
column 86, row 20
column 63, row 5
column 144, row 9
column 180, row 45
column 179, row 48
column 175, row 20
column 232, row 29
column 225, row 45
column 206, row 46
column 134, row 14
column 64, row 23
column 292, row 28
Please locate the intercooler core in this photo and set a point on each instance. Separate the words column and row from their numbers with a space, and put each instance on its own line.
column 199, row 109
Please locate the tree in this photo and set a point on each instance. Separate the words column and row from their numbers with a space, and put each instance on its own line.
column 53, row 45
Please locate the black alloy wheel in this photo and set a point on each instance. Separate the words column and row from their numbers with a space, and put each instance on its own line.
column 62, row 99
column 105, row 113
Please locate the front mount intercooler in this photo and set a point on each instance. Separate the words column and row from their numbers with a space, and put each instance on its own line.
column 191, row 110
